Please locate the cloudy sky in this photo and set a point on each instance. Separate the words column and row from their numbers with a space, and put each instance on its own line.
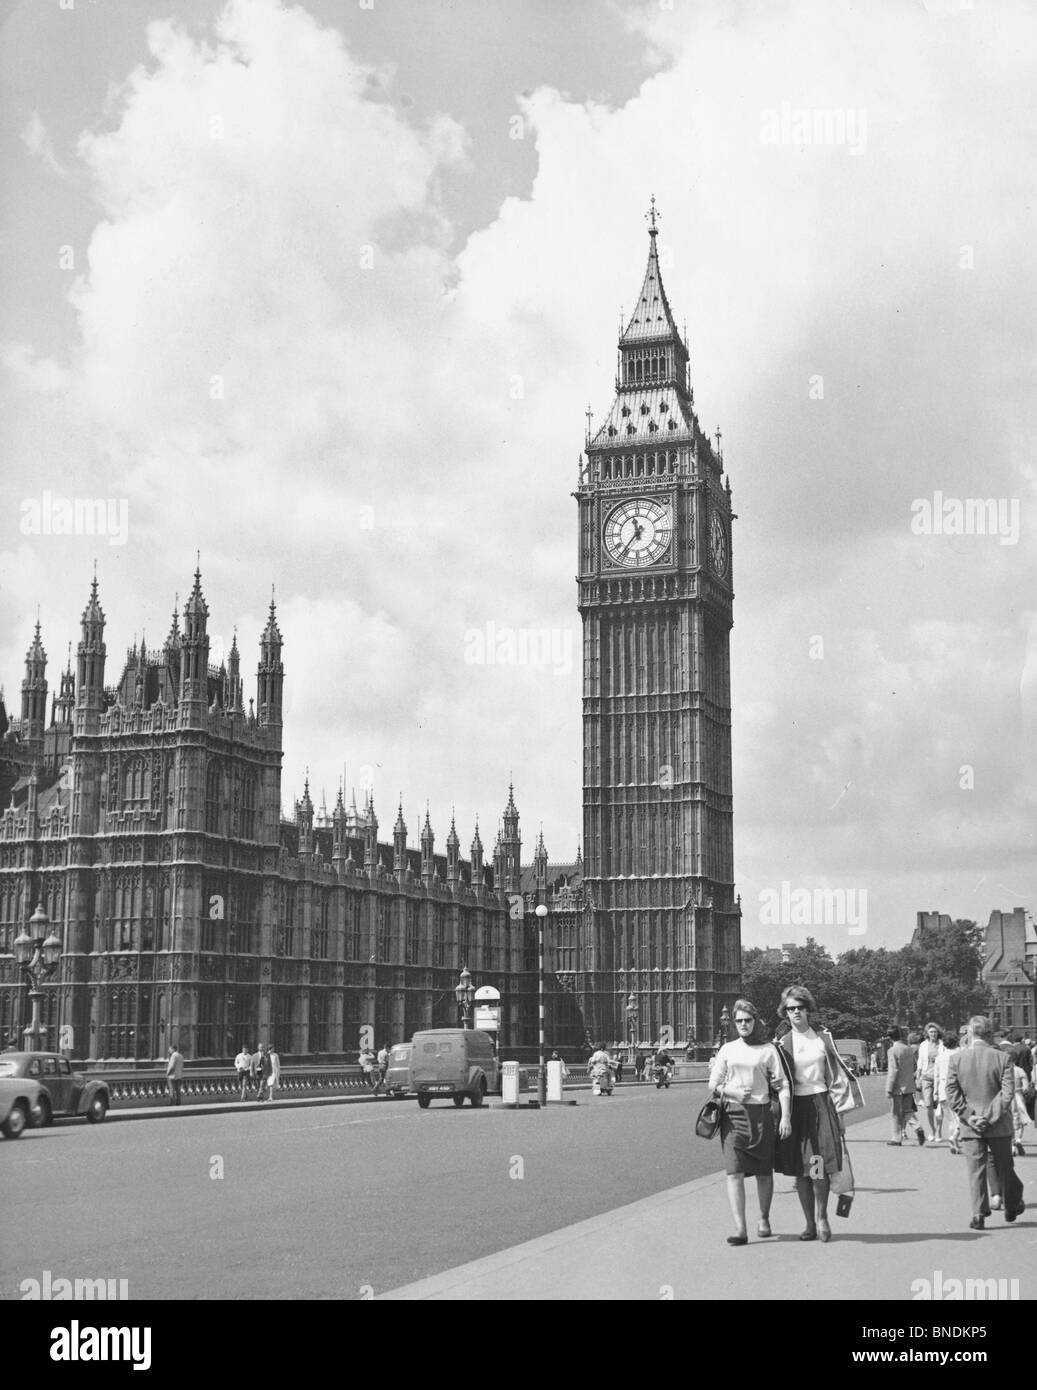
column 323, row 292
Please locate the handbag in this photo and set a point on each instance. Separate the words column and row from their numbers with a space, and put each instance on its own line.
column 843, row 1086
column 841, row 1184
column 708, row 1122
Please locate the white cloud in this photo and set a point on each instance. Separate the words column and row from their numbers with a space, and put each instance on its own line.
column 252, row 388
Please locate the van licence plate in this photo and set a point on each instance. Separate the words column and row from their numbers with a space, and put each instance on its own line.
column 439, row 1088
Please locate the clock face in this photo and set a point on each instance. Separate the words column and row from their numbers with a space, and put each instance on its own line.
column 718, row 545
column 638, row 532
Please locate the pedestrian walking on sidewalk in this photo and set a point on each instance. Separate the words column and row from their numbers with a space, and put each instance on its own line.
column 814, row 1151
column 901, row 1070
column 243, row 1067
column 1020, row 1117
column 599, row 1068
column 747, row 1072
column 981, row 1090
column 368, row 1062
column 929, row 1050
column 381, row 1067
column 261, row 1066
column 945, row 1115
column 174, row 1075
column 274, row 1078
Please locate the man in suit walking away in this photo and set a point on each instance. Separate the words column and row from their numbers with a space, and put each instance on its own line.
column 901, row 1065
column 980, row 1090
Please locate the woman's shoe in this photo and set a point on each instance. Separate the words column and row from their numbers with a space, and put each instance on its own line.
column 954, row 1149
column 809, row 1234
column 764, row 1228
column 824, row 1231
column 738, row 1240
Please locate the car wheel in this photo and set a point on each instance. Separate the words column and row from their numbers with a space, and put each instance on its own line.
column 459, row 1100
column 97, row 1110
column 46, row 1113
column 423, row 1101
column 480, row 1095
column 16, row 1120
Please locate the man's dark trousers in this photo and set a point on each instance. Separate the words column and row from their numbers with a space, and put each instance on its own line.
column 1008, row 1180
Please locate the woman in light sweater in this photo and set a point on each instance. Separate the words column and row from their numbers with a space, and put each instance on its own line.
column 747, row 1072
column 815, row 1150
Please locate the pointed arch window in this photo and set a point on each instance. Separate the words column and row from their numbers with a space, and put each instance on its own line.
column 213, row 796
column 136, row 786
column 248, row 806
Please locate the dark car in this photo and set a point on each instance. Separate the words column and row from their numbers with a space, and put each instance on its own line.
column 65, row 1092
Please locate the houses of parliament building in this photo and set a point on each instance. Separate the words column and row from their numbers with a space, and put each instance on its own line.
column 145, row 816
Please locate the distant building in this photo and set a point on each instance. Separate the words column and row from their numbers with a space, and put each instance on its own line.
column 929, row 921
column 778, row 955
column 1010, row 972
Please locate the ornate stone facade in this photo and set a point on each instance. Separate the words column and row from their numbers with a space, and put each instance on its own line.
column 146, row 819
column 662, row 924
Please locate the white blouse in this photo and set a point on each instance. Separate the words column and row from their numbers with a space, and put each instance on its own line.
column 808, row 1052
column 739, row 1064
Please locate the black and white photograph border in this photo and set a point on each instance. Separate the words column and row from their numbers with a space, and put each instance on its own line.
column 516, row 549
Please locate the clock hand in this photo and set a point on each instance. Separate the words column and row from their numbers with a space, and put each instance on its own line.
column 638, row 533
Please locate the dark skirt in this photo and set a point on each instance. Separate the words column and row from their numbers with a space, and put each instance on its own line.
column 815, row 1132
column 747, row 1136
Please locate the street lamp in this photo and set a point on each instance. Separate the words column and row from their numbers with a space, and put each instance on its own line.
column 725, row 1027
column 37, row 953
column 464, row 993
column 541, row 913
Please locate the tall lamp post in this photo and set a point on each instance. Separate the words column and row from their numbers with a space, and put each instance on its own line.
column 725, row 1027
column 464, row 993
column 541, row 913
column 37, row 952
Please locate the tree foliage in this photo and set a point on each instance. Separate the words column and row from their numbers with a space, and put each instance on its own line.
column 865, row 992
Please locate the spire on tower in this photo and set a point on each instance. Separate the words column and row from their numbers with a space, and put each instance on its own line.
column 652, row 317
column 196, row 607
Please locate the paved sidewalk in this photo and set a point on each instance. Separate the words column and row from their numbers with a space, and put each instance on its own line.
column 909, row 1224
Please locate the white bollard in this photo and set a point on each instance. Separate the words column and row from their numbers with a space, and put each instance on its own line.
column 509, row 1081
column 554, row 1081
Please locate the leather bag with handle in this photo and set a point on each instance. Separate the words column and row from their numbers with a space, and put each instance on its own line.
column 708, row 1123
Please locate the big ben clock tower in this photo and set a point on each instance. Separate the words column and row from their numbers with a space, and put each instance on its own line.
column 662, row 930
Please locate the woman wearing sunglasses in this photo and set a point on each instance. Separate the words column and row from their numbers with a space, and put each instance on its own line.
column 815, row 1149
column 747, row 1072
